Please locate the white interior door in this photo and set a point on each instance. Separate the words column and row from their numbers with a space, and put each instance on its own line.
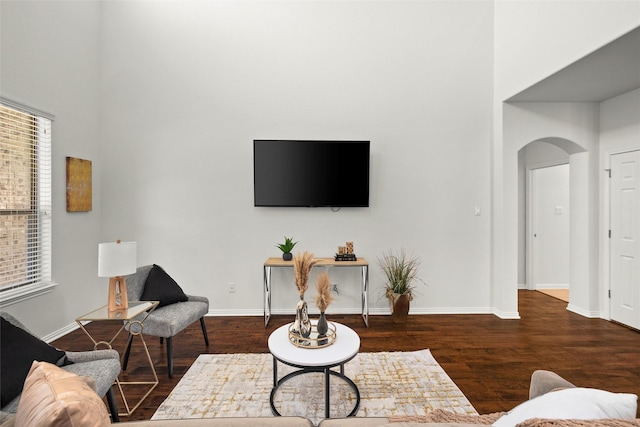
column 625, row 238
column 550, row 227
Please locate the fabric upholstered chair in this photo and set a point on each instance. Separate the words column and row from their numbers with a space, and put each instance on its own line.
column 167, row 320
column 101, row 365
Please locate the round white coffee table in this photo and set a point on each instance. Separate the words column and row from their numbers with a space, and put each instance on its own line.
column 309, row 360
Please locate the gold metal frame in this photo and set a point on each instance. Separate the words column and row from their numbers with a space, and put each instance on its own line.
column 135, row 328
column 314, row 340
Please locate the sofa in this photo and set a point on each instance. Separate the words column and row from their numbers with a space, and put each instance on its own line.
column 74, row 400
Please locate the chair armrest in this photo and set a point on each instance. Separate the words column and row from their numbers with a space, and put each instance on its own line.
column 7, row 419
column 198, row 298
column 544, row 381
column 90, row 356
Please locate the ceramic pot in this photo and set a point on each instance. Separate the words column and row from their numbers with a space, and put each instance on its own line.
column 400, row 307
column 288, row 256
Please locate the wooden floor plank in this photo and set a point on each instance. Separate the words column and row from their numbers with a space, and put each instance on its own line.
column 490, row 359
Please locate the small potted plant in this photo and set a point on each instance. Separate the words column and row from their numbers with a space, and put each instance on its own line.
column 286, row 248
column 401, row 271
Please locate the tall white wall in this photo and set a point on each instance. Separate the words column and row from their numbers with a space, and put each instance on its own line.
column 166, row 97
column 573, row 127
column 50, row 61
column 534, row 155
column 550, row 212
column 187, row 86
column 619, row 132
column 532, row 40
column 536, row 38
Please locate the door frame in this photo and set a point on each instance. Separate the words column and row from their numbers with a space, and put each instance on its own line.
column 529, row 216
column 606, row 216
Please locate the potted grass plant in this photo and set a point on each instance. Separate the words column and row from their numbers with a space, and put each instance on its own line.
column 401, row 271
column 286, row 248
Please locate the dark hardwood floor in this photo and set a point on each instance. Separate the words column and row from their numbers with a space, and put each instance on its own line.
column 490, row 359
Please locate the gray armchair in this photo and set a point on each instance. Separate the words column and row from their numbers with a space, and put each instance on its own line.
column 166, row 321
column 101, row 365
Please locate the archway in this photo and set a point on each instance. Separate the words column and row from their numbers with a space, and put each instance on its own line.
column 545, row 157
column 573, row 128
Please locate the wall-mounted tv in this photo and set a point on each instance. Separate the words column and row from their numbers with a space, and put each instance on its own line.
column 300, row 173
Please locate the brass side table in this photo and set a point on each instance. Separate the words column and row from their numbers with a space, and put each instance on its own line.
column 135, row 327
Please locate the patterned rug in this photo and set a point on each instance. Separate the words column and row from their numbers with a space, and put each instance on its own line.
column 239, row 385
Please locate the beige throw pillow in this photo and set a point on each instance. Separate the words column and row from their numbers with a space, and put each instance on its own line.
column 54, row 397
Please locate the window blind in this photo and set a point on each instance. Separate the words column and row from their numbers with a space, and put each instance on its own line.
column 25, row 200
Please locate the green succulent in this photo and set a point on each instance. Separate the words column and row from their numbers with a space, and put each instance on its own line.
column 287, row 246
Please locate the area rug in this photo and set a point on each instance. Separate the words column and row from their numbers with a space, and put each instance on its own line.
column 239, row 385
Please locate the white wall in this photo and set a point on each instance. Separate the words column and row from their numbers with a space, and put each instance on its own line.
column 50, row 60
column 165, row 98
column 186, row 87
column 536, row 38
column 574, row 128
column 599, row 130
column 619, row 132
column 532, row 40
column 550, row 212
column 534, row 155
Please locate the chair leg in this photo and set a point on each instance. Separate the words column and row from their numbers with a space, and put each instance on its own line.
column 204, row 331
column 127, row 352
column 113, row 408
column 169, row 357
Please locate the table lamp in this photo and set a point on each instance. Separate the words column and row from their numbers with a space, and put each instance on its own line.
column 115, row 260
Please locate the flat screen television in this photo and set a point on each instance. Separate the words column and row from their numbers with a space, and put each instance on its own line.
column 299, row 173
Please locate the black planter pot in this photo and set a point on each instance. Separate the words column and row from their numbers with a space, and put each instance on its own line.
column 288, row 256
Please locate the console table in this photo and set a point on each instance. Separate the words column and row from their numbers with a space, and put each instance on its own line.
column 322, row 262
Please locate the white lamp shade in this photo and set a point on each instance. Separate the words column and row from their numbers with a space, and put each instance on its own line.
column 117, row 259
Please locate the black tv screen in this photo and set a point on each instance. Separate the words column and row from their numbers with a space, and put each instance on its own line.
column 299, row 173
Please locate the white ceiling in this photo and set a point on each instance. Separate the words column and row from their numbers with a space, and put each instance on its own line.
column 610, row 71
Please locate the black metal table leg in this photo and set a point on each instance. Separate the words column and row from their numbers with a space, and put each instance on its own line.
column 275, row 372
column 327, row 388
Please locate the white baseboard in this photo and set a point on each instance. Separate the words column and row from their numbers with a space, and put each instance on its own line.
column 61, row 332
column 237, row 312
column 506, row 314
column 372, row 311
column 375, row 311
column 586, row 313
column 450, row 310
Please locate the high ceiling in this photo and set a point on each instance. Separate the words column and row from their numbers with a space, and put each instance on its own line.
column 610, row 71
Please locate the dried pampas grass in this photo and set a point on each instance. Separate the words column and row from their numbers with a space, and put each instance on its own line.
column 302, row 264
column 323, row 297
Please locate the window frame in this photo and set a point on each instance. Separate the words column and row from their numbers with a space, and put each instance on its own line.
column 11, row 294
